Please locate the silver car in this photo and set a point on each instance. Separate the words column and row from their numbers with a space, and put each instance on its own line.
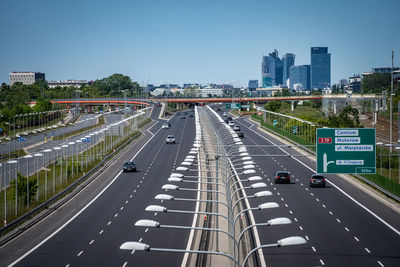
column 170, row 139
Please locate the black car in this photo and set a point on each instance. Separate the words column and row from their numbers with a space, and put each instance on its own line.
column 317, row 180
column 282, row 177
column 229, row 118
column 183, row 117
column 129, row 166
column 190, row 115
column 240, row 134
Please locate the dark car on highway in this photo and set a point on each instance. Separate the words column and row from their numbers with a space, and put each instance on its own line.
column 240, row 134
column 190, row 115
column 282, row 177
column 129, row 166
column 317, row 180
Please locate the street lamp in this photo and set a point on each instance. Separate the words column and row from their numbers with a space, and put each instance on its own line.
column 27, row 157
column 66, row 162
column 44, row 159
column 54, row 167
column 37, row 169
column 72, row 159
column 16, row 182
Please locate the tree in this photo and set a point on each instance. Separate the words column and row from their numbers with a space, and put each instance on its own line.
column 347, row 118
column 376, row 83
column 22, row 187
column 316, row 103
column 273, row 106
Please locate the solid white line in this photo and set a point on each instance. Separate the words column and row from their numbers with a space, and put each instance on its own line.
column 337, row 187
column 79, row 212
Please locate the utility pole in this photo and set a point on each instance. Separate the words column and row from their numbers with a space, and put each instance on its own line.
column 391, row 121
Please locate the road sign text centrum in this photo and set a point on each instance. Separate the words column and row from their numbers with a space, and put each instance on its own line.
column 346, row 150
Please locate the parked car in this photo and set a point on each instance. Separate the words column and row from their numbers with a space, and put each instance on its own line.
column 183, row 117
column 190, row 115
column 317, row 180
column 240, row 134
column 129, row 166
column 236, row 128
column 229, row 118
column 170, row 139
column 165, row 125
column 282, row 177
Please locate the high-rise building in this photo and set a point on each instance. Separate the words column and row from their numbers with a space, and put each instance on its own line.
column 320, row 68
column 253, row 85
column 299, row 75
column 25, row 77
column 271, row 70
column 287, row 61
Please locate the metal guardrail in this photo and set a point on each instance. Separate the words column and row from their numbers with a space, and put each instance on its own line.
column 377, row 187
column 56, row 197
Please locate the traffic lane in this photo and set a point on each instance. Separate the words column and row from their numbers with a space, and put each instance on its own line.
column 51, row 223
column 382, row 208
column 104, row 250
column 336, row 201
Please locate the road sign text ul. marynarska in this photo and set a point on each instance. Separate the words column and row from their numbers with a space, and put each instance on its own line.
column 346, row 150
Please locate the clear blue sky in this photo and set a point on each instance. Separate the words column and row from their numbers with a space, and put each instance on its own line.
column 171, row 41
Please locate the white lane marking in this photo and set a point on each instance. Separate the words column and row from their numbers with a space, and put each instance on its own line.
column 91, row 242
column 323, row 206
column 334, row 185
column 140, row 240
column 301, row 184
column 130, row 196
column 295, row 219
column 125, row 263
column 109, row 223
column 301, row 228
column 338, row 220
column 80, row 253
column 330, row 212
column 358, row 240
column 322, row 262
column 101, row 232
column 147, row 229
column 290, row 212
column 121, row 208
column 282, row 199
column 286, row 206
column 347, row 229
column 155, row 214
column 279, row 194
column 367, row 250
column 67, row 265
column 307, row 237
column 126, row 202
column 115, row 215
column 306, row 188
column 313, row 248
column 380, row 264
column 312, row 194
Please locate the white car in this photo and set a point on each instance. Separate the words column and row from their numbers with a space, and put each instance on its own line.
column 236, row 128
column 231, row 123
column 170, row 139
column 165, row 126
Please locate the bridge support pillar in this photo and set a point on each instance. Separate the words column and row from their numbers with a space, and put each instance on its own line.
column 334, row 107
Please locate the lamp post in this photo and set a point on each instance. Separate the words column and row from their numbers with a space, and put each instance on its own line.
column 66, row 162
column 16, row 182
column 54, row 167
column 72, row 158
column 27, row 157
column 78, row 142
column 45, row 175
column 37, row 155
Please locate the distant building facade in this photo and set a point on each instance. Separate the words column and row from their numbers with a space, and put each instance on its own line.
column 271, row 70
column 320, row 68
column 69, row 83
column 287, row 62
column 253, row 85
column 26, row 77
column 355, row 84
column 299, row 75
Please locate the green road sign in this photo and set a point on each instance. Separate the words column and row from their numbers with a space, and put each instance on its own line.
column 227, row 106
column 295, row 129
column 275, row 122
column 346, row 150
column 236, row 105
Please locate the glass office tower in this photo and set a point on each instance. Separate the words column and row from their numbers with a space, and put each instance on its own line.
column 320, row 68
column 299, row 75
column 287, row 62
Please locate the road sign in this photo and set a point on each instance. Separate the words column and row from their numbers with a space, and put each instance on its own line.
column 86, row 140
column 21, row 139
column 294, row 129
column 227, row 106
column 346, row 150
column 275, row 122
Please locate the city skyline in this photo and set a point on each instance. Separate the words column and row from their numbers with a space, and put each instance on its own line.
column 190, row 42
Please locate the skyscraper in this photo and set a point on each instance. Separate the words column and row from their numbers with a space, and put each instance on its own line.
column 271, row 70
column 287, row 61
column 299, row 75
column 320, row 68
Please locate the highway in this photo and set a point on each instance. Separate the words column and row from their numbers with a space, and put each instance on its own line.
column 344, row 225
column 97, row 229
